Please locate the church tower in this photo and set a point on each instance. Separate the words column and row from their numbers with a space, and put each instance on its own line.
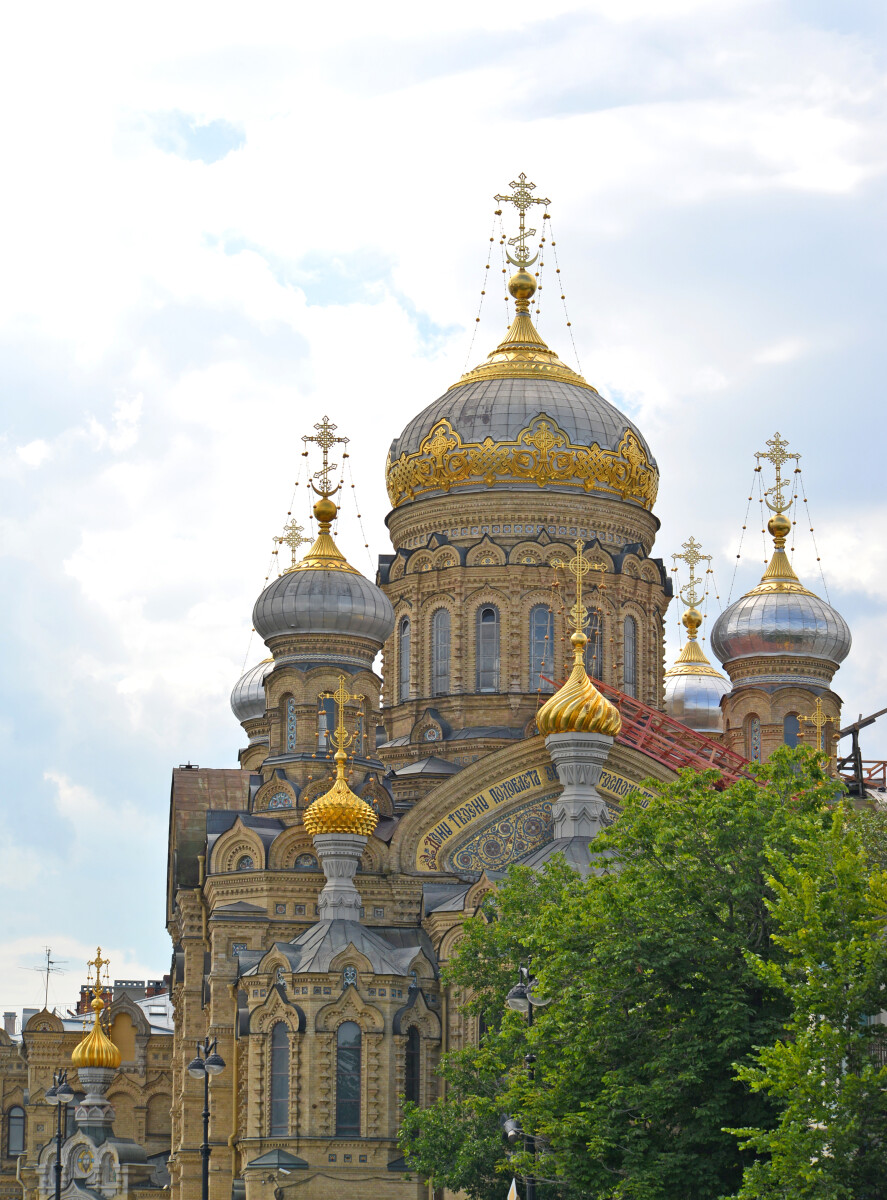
column 693, row 688
column 781, row 646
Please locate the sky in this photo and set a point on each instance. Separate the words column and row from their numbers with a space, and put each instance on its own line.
column 219, row 223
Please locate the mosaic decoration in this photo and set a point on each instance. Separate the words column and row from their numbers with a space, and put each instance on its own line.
column 504, row 840
column 281, row 800
column 306, row 862
column 290, row 725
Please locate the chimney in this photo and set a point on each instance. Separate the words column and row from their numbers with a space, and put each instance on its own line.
column 9, row 1023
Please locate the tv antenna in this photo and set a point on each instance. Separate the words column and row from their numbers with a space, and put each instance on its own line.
column 50, row 967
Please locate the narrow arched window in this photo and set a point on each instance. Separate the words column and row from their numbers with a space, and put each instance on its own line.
column 348, row 1080
column 541, row 643
column 440, row 652
column 15, row 1132
column 413, row 1066
column 487, row 649
column 290, row 724
column 403, row 660
column 326, row 723
column 791, row 727
column 594, row 647
column 753, row 738
column 630, row 656
column 279, row 1125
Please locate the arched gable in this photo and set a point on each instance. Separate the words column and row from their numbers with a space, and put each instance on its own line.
column 350, row 1006
column 233, row 845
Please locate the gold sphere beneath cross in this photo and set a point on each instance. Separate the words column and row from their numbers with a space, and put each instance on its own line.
column 522, row 285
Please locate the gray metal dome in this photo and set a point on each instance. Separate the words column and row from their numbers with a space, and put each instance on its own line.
column 502, row 408
column 248, row 696
column 781, row 622
column 695, row 700
column 323, row 601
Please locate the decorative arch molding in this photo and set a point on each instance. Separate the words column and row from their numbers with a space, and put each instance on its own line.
column 44, row 1022
column 275, row 1009
column 486, row 593
column 350, row 1006
column 416, row 1014
column 233, row 845
column 274, row 795
column 485, row 553
column 288, row 845
column 372, row 861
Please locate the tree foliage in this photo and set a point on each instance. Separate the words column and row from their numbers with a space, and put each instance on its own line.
column 655, row 966
column 830, row 1141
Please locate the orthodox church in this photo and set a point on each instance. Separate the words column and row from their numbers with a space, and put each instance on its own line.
column 316, row 890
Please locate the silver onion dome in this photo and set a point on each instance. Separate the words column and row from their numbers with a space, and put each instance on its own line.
column 248, row 696
column 693, row 688
column 780, row 616
column 695, row 700
column 320, row 602
column 323, row 594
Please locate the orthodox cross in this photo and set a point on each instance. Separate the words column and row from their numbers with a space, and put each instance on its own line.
column 579, row 566
column 99, row 963
column 325, row 440
column 819, row 721
column 692, row 558
column 522, row 200
column 340, row 737
column 292, row 537
column 777, row 455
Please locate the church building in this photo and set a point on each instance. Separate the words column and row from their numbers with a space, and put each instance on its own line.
column 317, row 888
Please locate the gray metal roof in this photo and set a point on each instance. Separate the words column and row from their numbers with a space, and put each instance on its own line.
column 501, row 408
column 248, row 696
column 769, row 623
column 323, row 602
column 429, row 766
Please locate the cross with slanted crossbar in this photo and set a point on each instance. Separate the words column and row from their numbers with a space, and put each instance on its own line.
column 522, row 200
column 340, row 737
column 777, row 455
column 325, row 440
column 692, row 558
column 819, row 721
column 579, row 566
column 292, row 537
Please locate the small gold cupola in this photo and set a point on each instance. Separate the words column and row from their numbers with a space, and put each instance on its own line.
column 339, row 810
column 96, row 1049
column 578, row 707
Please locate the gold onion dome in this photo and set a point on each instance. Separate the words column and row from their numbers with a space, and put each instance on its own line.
column 578, row 707
column 339, row 810
column 96, row 1049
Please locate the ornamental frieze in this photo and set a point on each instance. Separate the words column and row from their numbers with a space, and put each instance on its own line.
column 542, row 454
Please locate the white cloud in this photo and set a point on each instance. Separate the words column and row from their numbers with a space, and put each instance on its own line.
column 35, row 453
column 784, row 351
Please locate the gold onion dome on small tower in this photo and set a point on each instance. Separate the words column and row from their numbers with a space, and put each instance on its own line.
column 96, row 1049
column 339, row 810
column 578, row 707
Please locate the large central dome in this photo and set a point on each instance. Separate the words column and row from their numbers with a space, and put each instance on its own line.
column 520, row 419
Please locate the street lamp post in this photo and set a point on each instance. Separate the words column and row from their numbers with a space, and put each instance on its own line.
column 208, row 1062
column 60, row 1096
column 523, row 998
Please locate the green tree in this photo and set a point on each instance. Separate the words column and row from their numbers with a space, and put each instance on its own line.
column 654, row 998
column 830, row 908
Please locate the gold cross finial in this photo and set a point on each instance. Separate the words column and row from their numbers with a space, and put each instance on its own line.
column 692, row 558
column 292, row 537
column 819, row 721
column 325, row 439
column 579, row 566
column 340, row 737
column 776, row 454
column 98, row 962
column 522, row 201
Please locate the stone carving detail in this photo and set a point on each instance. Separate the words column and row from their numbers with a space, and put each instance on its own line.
column 504, row 839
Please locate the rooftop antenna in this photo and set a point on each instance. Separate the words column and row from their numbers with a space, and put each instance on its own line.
column 50, row 967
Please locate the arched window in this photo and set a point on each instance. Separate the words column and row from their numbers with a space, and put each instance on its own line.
column 290, row 724
column 15, row 1131
column 487, row 649
column 245, row 863
column 403, row 660
column 280, row 1081
column 348, row 1080
column 791, row 727
column 594, row 647
column 326, row 723
column 630, row 656
column 541, row 648
column 440, row 652
column 413, row 1066
column 753, row 738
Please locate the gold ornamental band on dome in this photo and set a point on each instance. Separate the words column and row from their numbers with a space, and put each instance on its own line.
column 541, row 454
